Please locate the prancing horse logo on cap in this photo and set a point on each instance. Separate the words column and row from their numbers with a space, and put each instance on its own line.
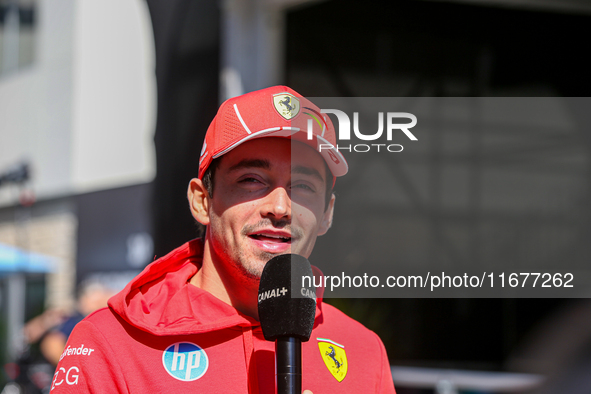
column 287, row 105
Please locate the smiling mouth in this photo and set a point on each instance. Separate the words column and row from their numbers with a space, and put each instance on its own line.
column 271, row 238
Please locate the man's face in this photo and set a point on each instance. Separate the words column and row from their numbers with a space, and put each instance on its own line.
column 268, row 199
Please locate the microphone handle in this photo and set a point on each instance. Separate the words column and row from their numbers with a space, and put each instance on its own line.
column 288, row 361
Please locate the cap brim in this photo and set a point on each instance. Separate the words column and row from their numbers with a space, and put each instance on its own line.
column 334, row 159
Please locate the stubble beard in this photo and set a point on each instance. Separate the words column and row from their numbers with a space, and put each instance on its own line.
column 252, row 270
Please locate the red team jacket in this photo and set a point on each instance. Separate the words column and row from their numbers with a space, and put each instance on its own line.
column 164, row 335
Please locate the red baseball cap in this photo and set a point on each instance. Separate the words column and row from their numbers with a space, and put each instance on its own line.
column 277, row 111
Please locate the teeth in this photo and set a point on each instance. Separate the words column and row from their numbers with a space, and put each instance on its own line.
column 276, row 236
column 272, row 236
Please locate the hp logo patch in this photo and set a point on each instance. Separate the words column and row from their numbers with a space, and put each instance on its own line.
column 185, row 361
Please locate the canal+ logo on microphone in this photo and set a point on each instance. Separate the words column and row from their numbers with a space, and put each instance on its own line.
column 185, row 361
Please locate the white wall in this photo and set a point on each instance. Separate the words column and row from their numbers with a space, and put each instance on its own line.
column 84, row 113
column 115, row 94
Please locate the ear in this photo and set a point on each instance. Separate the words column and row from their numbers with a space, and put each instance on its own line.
column 326, row 222
column 199, row 201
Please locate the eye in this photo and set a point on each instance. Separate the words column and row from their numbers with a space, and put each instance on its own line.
column 249, row 180
column 303, row 186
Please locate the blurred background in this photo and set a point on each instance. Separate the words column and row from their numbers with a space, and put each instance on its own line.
column 103, row 110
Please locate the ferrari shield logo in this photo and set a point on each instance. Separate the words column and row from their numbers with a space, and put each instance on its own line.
column 287, row 105
column 334, row 357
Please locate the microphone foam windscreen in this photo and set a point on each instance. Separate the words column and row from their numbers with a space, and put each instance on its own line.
column 286, row 306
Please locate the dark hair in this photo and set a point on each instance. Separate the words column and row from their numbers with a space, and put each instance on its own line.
column 210, row 174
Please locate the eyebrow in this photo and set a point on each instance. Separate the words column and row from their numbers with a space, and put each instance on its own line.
column 266, row 165
column 251, row 163
column 307, row 171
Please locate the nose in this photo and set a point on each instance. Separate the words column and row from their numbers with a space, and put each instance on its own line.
column 277, row 205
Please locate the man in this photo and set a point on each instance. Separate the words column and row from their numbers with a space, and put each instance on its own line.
column 92, row 296
column 189, row 321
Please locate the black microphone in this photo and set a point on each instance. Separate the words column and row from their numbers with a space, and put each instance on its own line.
column 286, row 312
